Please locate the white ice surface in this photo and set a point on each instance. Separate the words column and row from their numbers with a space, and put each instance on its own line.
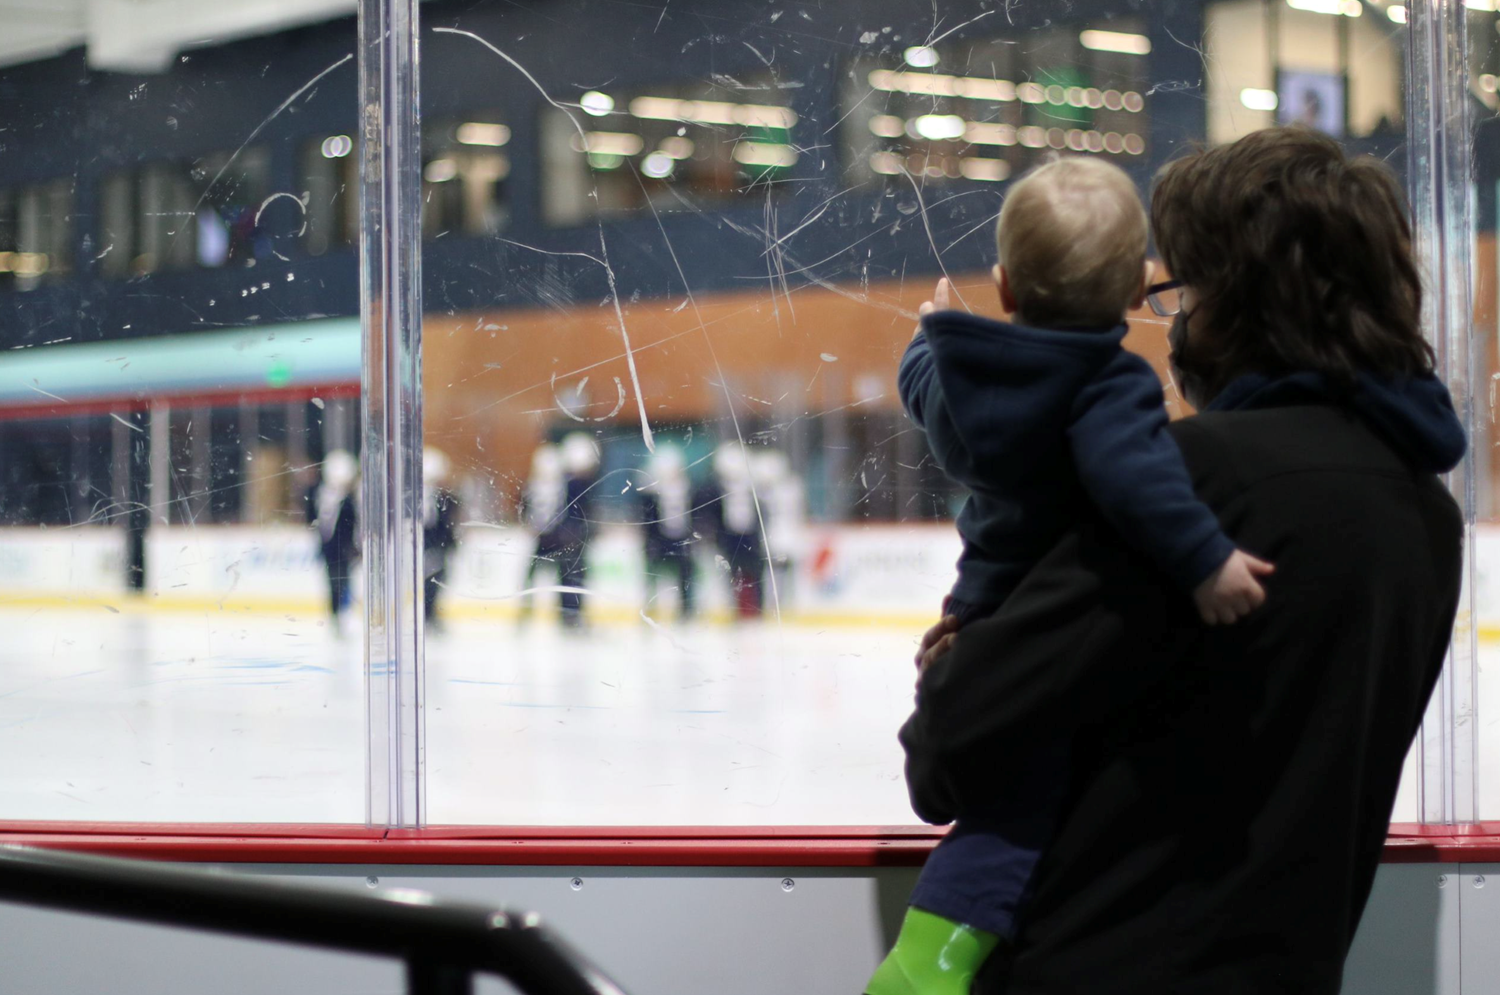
column 229, row 717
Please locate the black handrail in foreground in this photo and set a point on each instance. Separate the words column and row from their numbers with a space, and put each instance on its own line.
column 443, row 944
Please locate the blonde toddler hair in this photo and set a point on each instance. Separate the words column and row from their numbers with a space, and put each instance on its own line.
column 1072, row 238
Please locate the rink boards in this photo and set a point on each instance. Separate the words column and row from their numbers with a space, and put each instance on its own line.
column 848, row 574
column 895, row 574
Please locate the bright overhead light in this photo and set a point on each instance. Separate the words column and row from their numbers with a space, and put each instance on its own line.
column 764, row 154
column 987, row 133
column 337, row 146
column 1259, row 100
column 992, row 170
column 609, row 143
column 1396, row 12
column 658, row 165
column 887, row 126
column 940, row 85
column 1488, row 5
column 596, row 104
column 713, row 112
column 921, row 57
column 677, row 147
column 440, row 171
column 1349, row 8
column 481, row 133
column 1115, row 41
column 938, row 127
column 887, row 164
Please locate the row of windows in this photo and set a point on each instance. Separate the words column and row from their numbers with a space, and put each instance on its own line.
column 668, row 147
column 960, row 112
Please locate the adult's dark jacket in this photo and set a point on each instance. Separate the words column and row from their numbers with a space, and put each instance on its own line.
column 1231, row 787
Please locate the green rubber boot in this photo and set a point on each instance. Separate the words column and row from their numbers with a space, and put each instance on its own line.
column 932, row 956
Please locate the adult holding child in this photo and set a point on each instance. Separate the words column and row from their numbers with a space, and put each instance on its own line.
column 1225, row 791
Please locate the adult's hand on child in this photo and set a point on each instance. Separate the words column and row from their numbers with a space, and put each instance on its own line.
column 936, row 642
column 1232, row 591
column 939, row 300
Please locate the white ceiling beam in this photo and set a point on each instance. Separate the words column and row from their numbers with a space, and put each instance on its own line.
column 143, row 36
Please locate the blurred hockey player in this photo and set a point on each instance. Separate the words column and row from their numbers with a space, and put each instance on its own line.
column 737, row 528
column 580, row 456
column 667, row 526
column 542, row 511
column 439, row 530
column 783, row 505
column 333, row 511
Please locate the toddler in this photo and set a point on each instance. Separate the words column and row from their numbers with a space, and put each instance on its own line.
column 1034, row 417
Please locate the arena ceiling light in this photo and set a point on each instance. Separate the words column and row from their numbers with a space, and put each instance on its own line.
column 1349, row 8
column 941, row 85
column 1396, row 12
column 937, row 127
column 658, row 165
column 609, row 143
column 1259, row 100
column 482, row 133
column 988, row 170
column 677, row 147
column 712, row 112
column 1115, row 41
column 440, row 171
column 596, row 104
column 337, row 146
column 921, row 56
column 764, row 154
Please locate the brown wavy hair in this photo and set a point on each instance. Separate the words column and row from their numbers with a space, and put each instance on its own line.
column 1301, row 256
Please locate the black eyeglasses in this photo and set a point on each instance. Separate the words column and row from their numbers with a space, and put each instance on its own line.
column 1165, row 298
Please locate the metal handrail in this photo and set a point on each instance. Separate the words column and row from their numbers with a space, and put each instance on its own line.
column 443, row 944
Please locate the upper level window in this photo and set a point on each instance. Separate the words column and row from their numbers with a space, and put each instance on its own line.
column 36, row 232
column 989, row 110
column 177, row 213
column 465, row 166
column 672, row 146
column 330, row 181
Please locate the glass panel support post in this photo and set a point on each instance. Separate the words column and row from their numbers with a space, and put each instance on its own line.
column 391, row 319
column 1440, row 152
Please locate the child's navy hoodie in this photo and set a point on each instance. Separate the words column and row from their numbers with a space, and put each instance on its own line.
column 1034, row 421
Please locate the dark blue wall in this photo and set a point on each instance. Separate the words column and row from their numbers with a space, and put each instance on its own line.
column 61, row 119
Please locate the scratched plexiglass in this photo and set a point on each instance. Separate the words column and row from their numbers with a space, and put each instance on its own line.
column 179, row 424
column 680, row 538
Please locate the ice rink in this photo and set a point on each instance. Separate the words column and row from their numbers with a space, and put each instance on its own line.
column 133, row 713
column 137, row 714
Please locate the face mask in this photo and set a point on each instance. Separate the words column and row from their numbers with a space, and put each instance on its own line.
column 1186, row 372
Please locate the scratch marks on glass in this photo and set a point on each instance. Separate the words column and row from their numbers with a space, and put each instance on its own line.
column 48, row 393
column 760, row 518
column 261, row 127
column 301, row 203
column 927, row 226
column 959, row 27
column 578, row 391
column 614, row 293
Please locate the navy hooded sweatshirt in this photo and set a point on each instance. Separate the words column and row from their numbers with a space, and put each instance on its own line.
column 1035, row 421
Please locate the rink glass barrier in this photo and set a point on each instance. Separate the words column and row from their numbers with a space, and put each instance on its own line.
column 605, row 304
column 178, row 364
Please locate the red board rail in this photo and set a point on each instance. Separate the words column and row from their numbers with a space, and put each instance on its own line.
column 613, row 846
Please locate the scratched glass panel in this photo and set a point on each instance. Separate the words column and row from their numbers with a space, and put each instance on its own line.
column 681, row 537
column 179, row 383
column 1477, row 704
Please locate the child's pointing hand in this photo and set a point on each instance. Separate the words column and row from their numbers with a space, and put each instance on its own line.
column 939, row 300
